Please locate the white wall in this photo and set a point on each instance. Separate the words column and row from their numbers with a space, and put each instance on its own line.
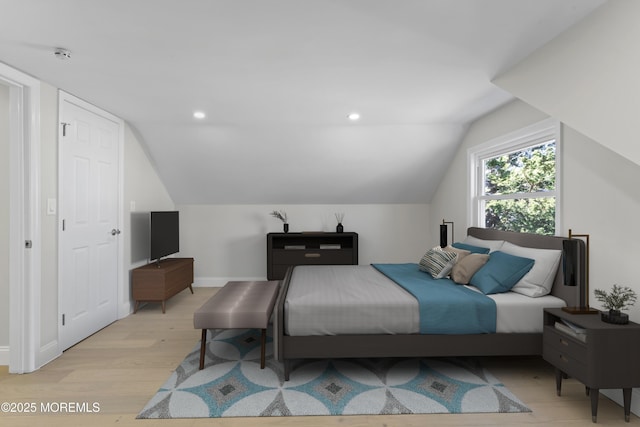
column 600, row 198
column 49, row 223
column 588, row 77
column 4, row 217
column 144, row 192
column 228, row 242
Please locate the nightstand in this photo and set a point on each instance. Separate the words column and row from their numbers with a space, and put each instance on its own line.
column 601, row 356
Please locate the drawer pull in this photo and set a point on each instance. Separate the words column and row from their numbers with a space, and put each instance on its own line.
column 563, row 342
column 564, row 359
column 312, row 255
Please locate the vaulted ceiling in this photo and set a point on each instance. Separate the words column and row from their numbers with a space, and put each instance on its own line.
column 277, row 80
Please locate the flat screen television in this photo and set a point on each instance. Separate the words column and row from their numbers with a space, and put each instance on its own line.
column 165, row 234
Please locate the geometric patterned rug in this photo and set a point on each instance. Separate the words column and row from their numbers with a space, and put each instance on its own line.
column 233, row 385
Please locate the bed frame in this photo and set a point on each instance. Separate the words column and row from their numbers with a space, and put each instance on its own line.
column 288, row 348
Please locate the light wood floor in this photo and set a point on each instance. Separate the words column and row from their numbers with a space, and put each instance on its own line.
column 121, row 367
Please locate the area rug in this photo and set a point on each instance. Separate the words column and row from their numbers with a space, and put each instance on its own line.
column 233, row 385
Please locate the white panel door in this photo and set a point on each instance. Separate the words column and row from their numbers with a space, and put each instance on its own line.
column 90, row 231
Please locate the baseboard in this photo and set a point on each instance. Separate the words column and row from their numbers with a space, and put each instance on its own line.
column 218, row 282
column 48, row 352
column 616, row 396
column 125, row 309
column 4, row 355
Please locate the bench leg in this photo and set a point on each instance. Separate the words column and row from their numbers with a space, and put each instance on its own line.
column 262, row 348
column 287, row 369
column 203, row 344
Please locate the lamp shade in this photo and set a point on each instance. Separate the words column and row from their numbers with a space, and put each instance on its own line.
column 443, row 235
column 575, row 269
column 570, row 260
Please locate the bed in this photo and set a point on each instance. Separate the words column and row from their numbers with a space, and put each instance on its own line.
column 348, row 333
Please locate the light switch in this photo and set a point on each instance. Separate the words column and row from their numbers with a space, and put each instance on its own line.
column 52, row 206
column 132, row 206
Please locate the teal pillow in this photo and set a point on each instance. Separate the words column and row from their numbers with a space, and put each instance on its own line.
column 471, row 248
column 501, row 273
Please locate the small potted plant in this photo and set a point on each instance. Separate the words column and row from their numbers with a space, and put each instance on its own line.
column 620, row 298
column 282, row 216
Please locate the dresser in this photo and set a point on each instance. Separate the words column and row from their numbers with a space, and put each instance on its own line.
column 601, row 355
column 158, row 282
column 311, row 248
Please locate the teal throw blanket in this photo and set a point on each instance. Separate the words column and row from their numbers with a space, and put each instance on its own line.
column 445, row 307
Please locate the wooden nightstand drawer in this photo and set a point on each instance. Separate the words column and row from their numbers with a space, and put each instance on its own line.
column 563, row 361
column 563, row 344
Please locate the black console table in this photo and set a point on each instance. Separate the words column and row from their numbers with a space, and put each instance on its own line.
column 287, row 249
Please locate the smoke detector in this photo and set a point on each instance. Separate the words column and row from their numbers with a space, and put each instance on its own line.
column 62, row 54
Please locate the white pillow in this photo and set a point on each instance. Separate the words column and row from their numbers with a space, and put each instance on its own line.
column 493, row 245
column 539, row 280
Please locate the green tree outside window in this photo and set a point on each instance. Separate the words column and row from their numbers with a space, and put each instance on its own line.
column 514, row 190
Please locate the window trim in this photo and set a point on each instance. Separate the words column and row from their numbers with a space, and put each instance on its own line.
column 525, row 137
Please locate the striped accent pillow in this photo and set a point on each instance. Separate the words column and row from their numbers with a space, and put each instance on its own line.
column 437, row 262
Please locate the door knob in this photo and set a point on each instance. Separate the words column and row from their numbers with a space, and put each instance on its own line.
column 114, row 232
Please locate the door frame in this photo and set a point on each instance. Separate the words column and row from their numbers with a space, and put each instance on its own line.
column 24, row 220
column 123, row 301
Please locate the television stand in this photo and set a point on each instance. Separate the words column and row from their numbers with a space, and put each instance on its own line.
column 159, row 281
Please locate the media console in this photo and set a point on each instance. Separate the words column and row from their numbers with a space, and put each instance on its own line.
column 312, row 248
column 159, row 282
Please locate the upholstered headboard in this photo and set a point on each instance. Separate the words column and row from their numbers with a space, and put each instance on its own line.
column 571, row 294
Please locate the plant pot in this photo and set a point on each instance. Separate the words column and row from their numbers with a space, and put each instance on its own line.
column 286, row 227
column 339, row 228
column 615, row 317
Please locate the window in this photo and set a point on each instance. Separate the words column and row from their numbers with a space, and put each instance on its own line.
column 514, row 181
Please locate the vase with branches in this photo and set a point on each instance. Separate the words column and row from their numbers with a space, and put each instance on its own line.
column 339, row 218
column 282, row 216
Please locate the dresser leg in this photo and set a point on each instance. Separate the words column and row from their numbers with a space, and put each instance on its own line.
column 559, row 375
column 595, row 393
column 626, row 393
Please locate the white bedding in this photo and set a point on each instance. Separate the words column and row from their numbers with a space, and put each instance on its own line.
column 519, row 313
column 320, row 303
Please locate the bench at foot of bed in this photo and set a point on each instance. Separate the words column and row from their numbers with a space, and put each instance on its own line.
column 238, row 305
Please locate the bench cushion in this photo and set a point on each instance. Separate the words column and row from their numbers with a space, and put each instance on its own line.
column 238, row 305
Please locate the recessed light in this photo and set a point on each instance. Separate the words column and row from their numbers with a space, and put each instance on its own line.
column 354, row 116
column 199, row 115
